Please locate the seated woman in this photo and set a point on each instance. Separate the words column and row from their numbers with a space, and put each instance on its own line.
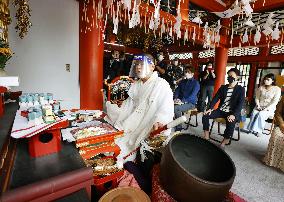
column 275, row 151
column 267, row 97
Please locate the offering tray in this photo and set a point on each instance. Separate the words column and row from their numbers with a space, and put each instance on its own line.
column 93, row 134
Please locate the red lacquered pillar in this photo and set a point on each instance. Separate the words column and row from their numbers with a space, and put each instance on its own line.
column 91, row 50
column 221, row 58
column 251, row 83
column 2, row 91
column 184, row 5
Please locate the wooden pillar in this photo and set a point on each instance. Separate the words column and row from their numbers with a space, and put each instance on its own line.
column 195, row 64
column 184, row 9
column 221, row 58
column 263, row 53
column 251, row 83
column 91, row 50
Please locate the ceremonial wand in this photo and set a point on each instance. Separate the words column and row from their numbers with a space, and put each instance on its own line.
column 172, row 124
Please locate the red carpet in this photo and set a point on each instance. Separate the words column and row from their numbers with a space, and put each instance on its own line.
column 160, row 195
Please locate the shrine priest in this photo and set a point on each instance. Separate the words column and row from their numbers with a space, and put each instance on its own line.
column 149, row 106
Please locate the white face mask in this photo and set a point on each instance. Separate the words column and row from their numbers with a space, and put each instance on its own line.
column 268, row 82
column 176, row 63
column 188, row 75
column 161, row 57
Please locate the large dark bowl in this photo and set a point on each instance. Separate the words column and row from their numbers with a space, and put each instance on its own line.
column 195, row 170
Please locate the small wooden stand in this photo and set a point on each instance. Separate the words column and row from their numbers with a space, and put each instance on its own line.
column 47, row 141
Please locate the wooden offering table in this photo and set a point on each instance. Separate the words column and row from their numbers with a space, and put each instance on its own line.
column 61, row 176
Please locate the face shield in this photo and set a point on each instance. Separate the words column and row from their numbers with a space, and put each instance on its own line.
column 141, row 66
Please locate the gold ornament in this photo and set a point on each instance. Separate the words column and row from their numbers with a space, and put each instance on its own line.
column 5, row 20
column 152, row 44
column 23, row 14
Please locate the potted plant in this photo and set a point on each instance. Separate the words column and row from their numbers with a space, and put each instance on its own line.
column 5, row 55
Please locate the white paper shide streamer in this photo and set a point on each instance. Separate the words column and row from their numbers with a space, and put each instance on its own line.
column 217, row 32
column 115, row 20
column 268, row 25
column 276, row 33
column 185, row 37
column 245, row 36
column 152, row 23
column 177, row 25
column 206, row 36
column 257, row 35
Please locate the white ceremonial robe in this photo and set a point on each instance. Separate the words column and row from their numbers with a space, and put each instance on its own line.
column 148, row 103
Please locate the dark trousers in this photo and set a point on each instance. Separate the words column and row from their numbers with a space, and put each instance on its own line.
column 206, row 91
column 230, row 126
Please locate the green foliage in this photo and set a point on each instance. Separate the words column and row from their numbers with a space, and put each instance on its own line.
column 5, row 54
column 3, row 60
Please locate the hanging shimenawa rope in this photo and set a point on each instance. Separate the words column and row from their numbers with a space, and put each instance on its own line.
column 23, row 17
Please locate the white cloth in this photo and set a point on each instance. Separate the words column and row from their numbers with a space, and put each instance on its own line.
column 21, row 129
column 148, row 103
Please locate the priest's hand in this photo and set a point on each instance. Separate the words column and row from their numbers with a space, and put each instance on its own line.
column 155, row 130
column 157, row 125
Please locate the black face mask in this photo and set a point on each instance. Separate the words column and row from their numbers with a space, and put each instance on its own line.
column 230, row 79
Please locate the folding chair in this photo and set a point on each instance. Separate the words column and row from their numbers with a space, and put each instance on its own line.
column 271, row 121
column 220, row 121
column 191, row 113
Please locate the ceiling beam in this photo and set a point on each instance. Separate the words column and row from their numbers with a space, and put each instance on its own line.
column 181, row 48
column 268, row 6
column 209, row 5
column 263, row 41
column 241, row 59
column 256, row 59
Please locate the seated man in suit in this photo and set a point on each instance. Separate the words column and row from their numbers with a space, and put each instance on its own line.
column 185, row 96
column 231, row 97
